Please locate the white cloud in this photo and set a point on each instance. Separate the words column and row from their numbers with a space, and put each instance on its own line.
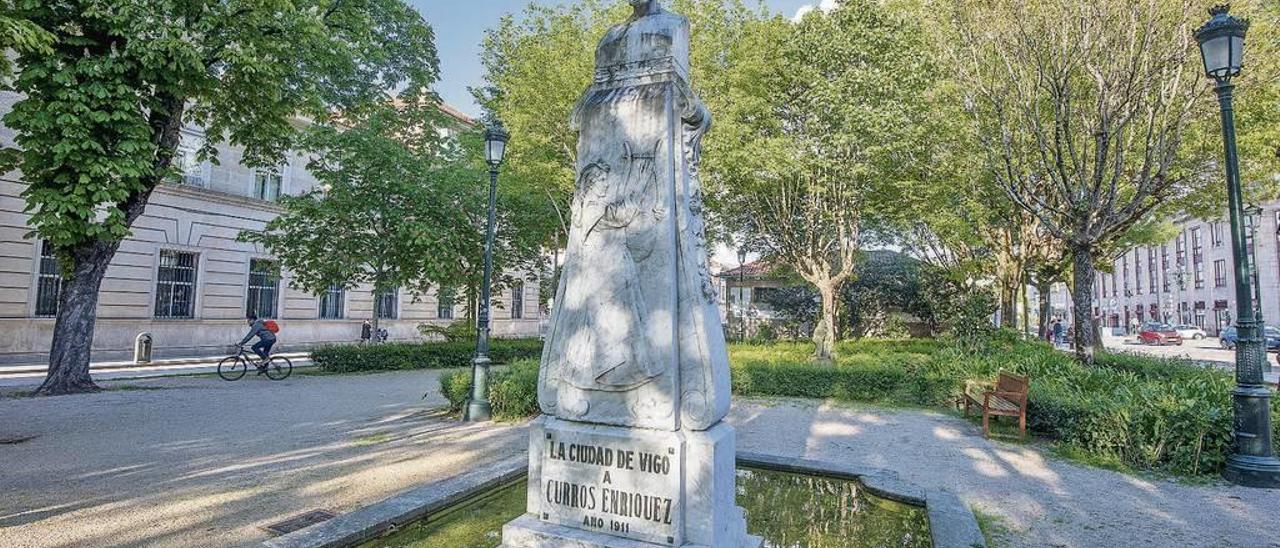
column 824, row 5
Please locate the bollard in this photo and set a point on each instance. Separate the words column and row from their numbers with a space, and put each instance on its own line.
column 142, row 348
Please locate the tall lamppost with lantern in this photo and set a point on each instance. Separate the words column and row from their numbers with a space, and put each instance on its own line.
column 1252, row 461
column 478, row 408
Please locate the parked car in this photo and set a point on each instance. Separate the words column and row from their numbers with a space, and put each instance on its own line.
column 1159, row 334
column 1228, row 338
column 1190, row 332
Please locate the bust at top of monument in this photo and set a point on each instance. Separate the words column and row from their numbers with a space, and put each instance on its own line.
column 652, row 40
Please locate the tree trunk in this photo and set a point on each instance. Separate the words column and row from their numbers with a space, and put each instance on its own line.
column 72, row 344
column 1008, row 306
column 824, row 334
column 73, row 329
column 1025, row 323
column 376, row 314
column 1042, row 296
column 1081, row 298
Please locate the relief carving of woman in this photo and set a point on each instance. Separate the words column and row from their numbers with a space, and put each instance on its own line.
column 614, row 212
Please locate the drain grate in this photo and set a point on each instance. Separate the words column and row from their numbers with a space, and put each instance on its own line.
column 300, row 521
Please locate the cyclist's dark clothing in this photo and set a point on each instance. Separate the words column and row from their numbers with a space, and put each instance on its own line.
column 265, row 338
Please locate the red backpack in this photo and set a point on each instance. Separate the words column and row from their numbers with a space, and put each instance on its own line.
column 271, row 326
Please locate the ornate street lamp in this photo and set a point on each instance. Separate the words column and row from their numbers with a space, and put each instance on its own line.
column 1251, row 462
column 479, row 409
column 742, row 305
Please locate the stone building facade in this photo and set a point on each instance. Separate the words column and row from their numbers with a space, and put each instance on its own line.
column 1190, row 279
column 184, row 278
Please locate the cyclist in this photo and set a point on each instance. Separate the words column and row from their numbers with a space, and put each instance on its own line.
column 266, row 339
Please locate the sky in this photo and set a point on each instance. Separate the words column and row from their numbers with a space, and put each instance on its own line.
column 460, row 26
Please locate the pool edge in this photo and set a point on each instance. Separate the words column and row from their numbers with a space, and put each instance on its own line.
column 951, row 522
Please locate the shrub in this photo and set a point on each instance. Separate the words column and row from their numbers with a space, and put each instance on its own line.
column 457, row 331
column 513, row 391
column 428, row 355
column 455, row 386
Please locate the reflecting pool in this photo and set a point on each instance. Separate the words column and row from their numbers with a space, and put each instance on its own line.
column 787, row 510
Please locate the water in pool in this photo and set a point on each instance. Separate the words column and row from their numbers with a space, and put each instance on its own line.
column 787, row 510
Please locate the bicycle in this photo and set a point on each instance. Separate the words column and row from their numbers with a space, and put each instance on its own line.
column 233, row 368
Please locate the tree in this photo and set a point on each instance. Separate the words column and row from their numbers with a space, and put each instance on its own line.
column 101, row 110
column 538, row 66
column 375, row 218
column 1081, row 109
column 827, row 115
column 526, row 224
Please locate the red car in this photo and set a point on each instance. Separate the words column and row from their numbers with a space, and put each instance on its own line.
column 1159, row 334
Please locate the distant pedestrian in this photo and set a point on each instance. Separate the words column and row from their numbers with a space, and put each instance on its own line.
column 366, row 332
column 1059, row 332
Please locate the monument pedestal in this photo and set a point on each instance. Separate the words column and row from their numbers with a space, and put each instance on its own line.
column 607, row 486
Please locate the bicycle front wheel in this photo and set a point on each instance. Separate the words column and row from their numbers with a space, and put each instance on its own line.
column 278, row 368
column 232, row 368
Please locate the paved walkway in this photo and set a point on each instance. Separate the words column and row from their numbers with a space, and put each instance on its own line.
column 197, row 461
column 202, row 462
column 1039, row 501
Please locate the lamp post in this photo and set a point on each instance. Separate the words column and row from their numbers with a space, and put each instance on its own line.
column 1252, row 461
column 479, row 409
column 1252, row 220
column 742, row 307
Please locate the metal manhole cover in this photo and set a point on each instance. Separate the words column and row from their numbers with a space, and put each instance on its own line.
column 300, row 521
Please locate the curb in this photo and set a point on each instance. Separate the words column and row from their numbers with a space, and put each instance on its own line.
column 111, row 366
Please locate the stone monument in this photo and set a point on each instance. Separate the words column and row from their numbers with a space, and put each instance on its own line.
column 630, row 450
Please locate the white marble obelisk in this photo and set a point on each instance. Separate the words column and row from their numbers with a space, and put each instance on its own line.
column 630, row 450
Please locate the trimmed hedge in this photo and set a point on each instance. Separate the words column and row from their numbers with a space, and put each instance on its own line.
column 1135, row 411
column 513, row 391
column 350, row 358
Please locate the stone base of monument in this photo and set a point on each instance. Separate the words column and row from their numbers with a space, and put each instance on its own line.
column 604, row 486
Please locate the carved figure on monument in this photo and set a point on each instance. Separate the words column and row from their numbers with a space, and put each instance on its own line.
column 631, row 449
column 635, row 339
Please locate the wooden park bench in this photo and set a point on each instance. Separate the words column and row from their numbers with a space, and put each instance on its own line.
column 1008, row 399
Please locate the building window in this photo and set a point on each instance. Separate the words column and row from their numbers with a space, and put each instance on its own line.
column 264, row 288
column 1199, row 270
column 267, row 183
column 1216, row 235
column 1180, row 246
column 1125, row 265
column 176, row 284
column 48, row 282
column 384, row 303
column 517, row 301
column 1196, row 255
column 1220, row 273
column 1151, row 268
column 187, row 168
column 444, row 303
column 331, row 303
